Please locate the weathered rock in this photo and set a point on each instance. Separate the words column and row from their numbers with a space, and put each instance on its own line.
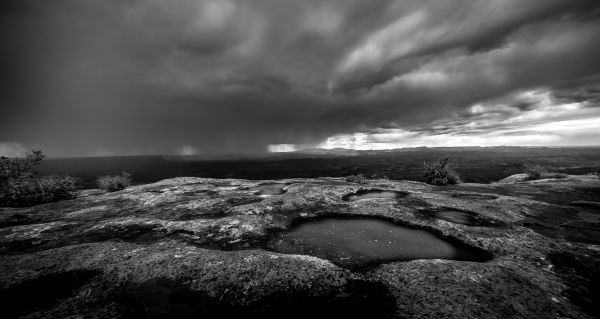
column 193, row 247
column 516, row 178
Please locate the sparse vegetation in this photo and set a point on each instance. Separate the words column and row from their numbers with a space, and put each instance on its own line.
column 113, row 183
column 360, row 179
column 45, row 189
column 20, row 185
column 540, row 172
column 441, row 173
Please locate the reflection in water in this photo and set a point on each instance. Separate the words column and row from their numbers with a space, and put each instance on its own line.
column 456, row 217
column 360, row 242
column 269, row 189
column 459, row 217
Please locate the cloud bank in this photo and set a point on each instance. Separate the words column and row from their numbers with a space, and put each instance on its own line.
column 88, row 77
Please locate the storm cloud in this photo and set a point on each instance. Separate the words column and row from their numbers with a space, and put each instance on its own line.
column 89, row 77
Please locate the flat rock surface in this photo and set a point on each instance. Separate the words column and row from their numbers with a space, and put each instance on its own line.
column 196, row 247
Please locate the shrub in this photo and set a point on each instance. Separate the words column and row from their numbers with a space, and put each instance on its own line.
column 538, row 172
column 360, row 179
column 20, row 167
column 113, row 183
column 555, row 175
column 19, row 185
column 27, row 191
column 441, row 173
column 535, row 172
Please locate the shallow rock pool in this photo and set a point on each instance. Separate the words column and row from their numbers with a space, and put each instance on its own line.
column 456, row 217
column 373, row 194
column 269, row 189
column 361, row 242
column 461, row 217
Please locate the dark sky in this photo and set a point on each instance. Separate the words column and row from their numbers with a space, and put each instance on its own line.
column 103, row 77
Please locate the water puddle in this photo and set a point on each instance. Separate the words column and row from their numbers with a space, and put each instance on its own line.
column 373, row 194
column 458, row 217
column 361, row 242
column 269, row 189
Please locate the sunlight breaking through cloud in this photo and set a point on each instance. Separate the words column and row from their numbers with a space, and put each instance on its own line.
column 560, row 133
column 245, row 77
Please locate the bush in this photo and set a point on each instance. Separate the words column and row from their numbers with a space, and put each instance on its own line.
column 441, row 173
column 360, row 179
column 27, row 191
column 19, row 185
column 535, row 172
column 539, row 172
column 113, row 183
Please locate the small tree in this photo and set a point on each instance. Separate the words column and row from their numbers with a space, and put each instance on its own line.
column 21, row 167
column 441, row 173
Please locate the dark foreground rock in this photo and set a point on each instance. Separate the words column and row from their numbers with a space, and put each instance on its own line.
column 193, row 247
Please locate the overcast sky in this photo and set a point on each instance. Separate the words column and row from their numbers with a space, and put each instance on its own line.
column 104, row 77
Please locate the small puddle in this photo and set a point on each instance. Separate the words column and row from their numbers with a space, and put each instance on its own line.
column 269, row 189
column 373, row 194
column 361, row 242
column 458, row 217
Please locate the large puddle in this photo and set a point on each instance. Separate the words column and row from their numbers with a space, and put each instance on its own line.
column 269, row 189
column 359, row 242
column 373, row 194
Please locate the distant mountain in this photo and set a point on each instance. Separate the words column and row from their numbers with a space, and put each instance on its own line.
column 332, row 151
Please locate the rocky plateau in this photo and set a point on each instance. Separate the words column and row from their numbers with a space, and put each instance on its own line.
column 218, row 248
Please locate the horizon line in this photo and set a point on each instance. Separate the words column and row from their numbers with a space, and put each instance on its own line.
column 313, row 149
